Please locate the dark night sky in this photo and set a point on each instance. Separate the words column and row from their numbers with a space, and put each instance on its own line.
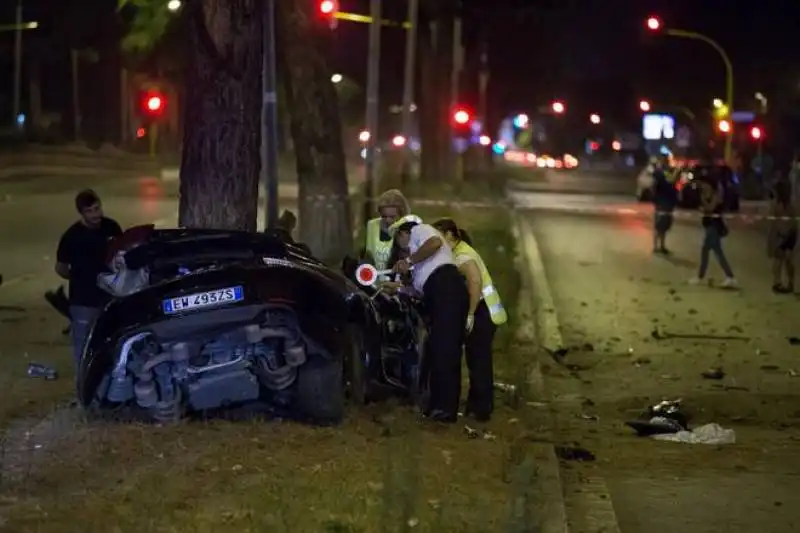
column 592, row 53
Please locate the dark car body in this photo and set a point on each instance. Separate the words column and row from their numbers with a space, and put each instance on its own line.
column 205, row 320
column 691, row 177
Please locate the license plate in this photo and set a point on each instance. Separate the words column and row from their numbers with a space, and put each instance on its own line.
column 200, row 300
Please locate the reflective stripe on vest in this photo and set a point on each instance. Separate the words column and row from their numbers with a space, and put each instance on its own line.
column 379, row 250
column 490, row 295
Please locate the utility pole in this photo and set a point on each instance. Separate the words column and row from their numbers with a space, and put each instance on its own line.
column 483, row 108
column 76, row 99
column 373, row 81
column 17, row 62
column 269, row 117
column 409, row 84
column 455, row 75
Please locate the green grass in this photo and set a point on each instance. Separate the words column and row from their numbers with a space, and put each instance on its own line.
column 381, row 471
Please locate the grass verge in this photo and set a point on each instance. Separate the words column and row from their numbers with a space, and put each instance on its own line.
column 381, row 471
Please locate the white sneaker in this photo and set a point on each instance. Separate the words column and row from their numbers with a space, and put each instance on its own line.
column 695, row 281
column 730, row 283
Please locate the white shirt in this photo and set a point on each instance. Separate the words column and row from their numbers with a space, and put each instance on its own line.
column 443, row 256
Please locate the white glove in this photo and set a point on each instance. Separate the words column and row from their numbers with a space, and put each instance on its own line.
column 470, row 323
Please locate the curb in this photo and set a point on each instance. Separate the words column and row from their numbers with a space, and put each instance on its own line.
column 597, row 503
column 554, row 512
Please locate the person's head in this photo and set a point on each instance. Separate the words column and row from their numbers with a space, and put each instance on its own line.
column 287, row 221
column 88, row 204
column 451, row 232
column 401, row 230
column 392, row 206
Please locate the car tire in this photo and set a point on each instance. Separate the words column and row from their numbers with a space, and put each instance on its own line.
column 420, row 387
column 319, row 393
column 356, row 382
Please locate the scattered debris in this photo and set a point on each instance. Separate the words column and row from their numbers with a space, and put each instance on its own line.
column 794, row 341
column 585, row 416
column 473, row 433
column 662, row 418
column 769, row 367
column 574, row 453
column 707, row 434
column 793, row 373
column 713, row 373
column 639, row 361
column 661, row 335
column 37, row 370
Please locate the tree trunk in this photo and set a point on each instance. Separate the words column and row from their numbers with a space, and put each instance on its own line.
column 221, row 137
column 315, row 123
column 429, row 105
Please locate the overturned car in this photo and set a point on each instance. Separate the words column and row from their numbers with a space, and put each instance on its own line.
column 206, row 320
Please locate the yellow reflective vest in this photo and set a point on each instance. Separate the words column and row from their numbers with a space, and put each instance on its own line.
column 379, row 250
column 490, row 295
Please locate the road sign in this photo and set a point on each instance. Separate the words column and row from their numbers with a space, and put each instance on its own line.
column 743, row 116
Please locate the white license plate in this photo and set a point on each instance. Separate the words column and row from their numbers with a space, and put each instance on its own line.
column 200, row 300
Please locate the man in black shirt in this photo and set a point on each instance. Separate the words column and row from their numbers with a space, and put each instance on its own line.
column 80, row 258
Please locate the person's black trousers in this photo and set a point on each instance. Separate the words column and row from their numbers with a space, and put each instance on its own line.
column 478, row 351
column 447, row 302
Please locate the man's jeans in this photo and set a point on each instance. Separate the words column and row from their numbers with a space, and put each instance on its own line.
column 82, row 319
column 712, row 242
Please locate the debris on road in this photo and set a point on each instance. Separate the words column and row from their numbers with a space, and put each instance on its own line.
column 707, row 434
column 661, row 335
column 664, row 417
column 794, row 341
column 574, row 453
column 37, row 370
column 713, row 373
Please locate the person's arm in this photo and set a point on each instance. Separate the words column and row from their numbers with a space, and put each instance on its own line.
column 428, row 242
column 472, row 273
column 63, row 257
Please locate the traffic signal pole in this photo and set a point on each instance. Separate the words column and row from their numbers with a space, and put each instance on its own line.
column 269, row 117
column 373, row 81
column 408, row 85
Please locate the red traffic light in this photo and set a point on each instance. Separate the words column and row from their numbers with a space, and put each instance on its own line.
column 653, row 24
column 327, row 7
column 153, row 103
column 644, row 105
column 756, row 133
column 558, row 107
column 461, row 116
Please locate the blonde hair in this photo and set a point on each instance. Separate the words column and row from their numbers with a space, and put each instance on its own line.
column 394, row 198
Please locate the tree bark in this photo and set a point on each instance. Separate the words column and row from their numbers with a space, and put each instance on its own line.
column 221, row 138
column 315, row 123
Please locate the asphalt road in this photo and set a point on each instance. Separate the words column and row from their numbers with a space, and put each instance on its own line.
column 610, row 293
column 35, row 212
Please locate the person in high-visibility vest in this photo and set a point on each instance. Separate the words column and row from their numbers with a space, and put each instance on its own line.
column 486, row 313
column 378, row 247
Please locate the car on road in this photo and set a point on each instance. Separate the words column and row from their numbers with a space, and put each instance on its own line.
column 206, row 321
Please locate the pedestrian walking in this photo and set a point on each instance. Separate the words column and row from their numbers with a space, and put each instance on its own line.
column 782, row 237
column 714, row 231
column 81, row 256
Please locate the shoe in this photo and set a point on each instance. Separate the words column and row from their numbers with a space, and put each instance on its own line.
column 665, row 251
column 730, row 283
column 780, row 289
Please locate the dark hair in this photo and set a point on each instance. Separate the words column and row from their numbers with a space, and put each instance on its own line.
column 86, row 198
column 448, row 225
column 406, row 226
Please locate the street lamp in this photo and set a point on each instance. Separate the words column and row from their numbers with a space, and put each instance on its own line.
column 337, row 78
column 174, row 5
column 644, row 106
column 594, row 118
column 654, row 24
column 558, row 107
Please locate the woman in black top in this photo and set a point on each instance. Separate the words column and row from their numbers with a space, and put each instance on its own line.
column 714, row 230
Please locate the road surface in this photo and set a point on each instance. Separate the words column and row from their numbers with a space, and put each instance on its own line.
column 610, row 293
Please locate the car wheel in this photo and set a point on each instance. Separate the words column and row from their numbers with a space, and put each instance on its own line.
column 420, row 387
column 356, row 383
column 319, row 393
